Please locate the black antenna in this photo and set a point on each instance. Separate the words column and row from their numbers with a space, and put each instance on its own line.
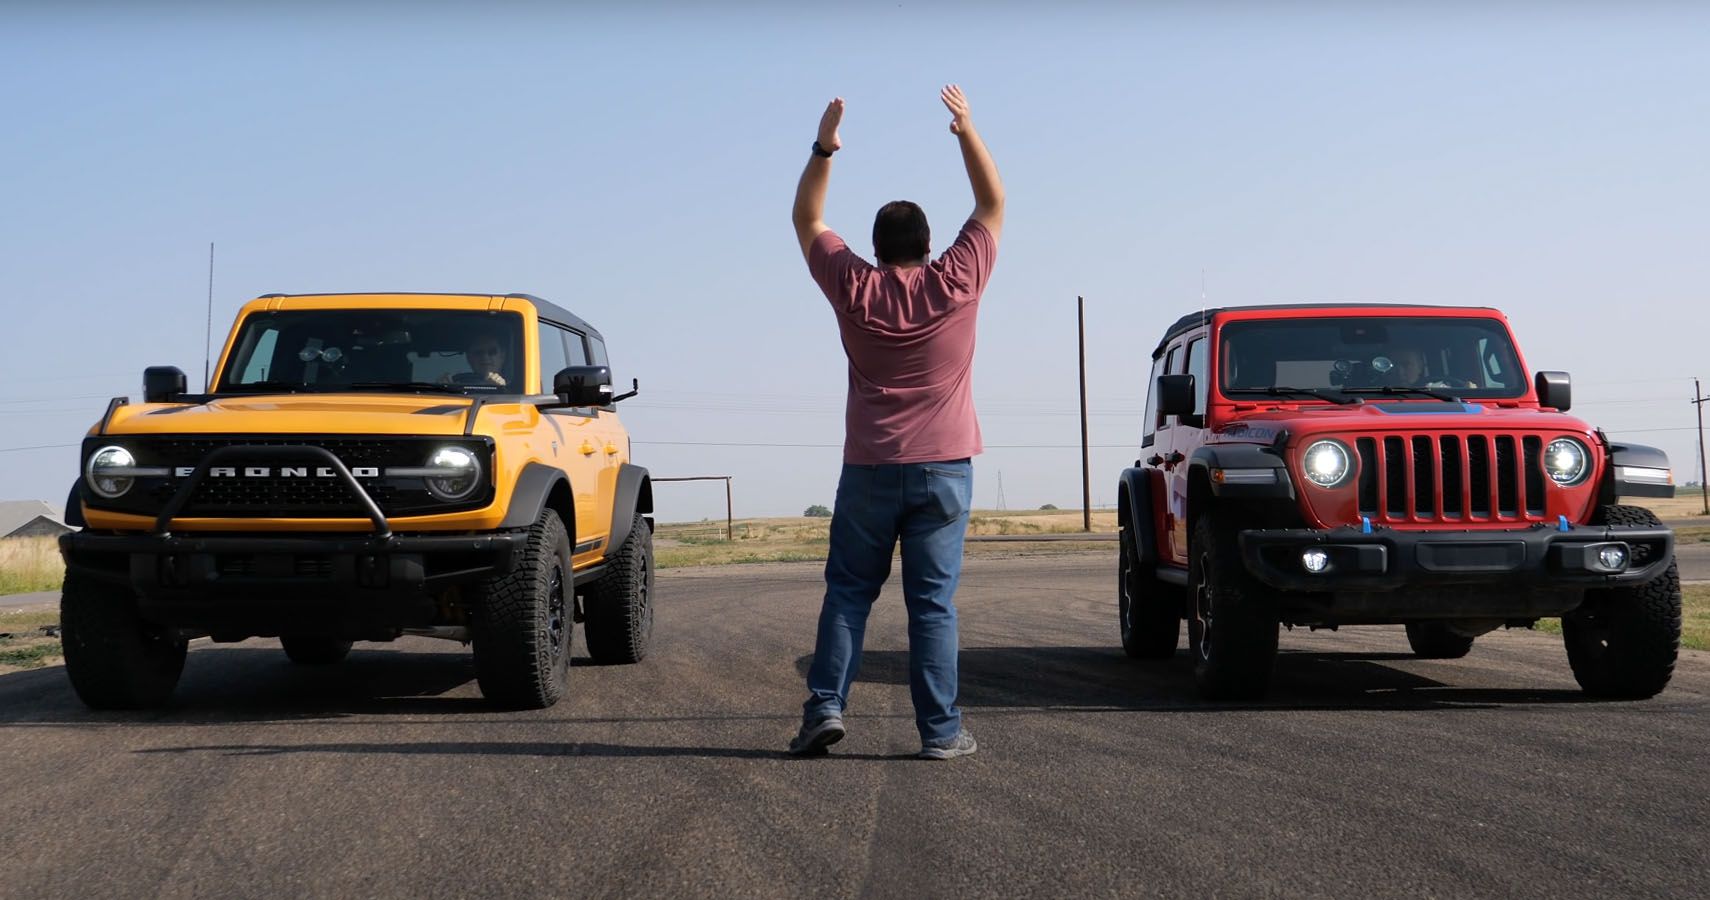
column 208, row 330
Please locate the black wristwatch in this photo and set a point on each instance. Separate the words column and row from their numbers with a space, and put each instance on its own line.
column 821, row 151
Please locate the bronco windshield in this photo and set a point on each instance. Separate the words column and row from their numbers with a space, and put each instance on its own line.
column 1423, row 356
column 427, row 350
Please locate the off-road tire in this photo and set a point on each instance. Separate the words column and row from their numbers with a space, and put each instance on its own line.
column 521, row 622
column 115, row 660
column 310, row 650
column 617, row 609
column 1149, row 612
column 1435, row 640
column 1622, row 641
column 1233, row 657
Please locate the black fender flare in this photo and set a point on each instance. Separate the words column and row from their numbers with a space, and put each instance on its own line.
column 74, row 505
column 534, row 490
column 632, row 493
column 1617, row 485
column 1211, row 457
column 1134, row 494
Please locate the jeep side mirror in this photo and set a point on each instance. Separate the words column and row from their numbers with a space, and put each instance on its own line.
column 1175, row 395
column 583, row 385
column 1555, row 390
column 163, row 384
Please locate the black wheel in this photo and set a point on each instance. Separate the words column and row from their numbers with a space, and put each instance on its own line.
column 521, row 622
column 305, row 650
column 114, row 658
column 1622, row 641
column 618, row 607
column 1149, row 611
column 1435, row 640
column 1232, row 627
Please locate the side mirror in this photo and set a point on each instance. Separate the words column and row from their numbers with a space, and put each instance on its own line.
column 163, row 384
column 1175, row 395
column 1555, row 390
column 583, row 386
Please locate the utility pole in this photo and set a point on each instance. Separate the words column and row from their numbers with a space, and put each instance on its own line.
column 1698, row 400
column 1086, row 470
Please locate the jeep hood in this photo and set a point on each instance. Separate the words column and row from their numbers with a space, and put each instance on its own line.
column 1262, row 424
column 292, row 414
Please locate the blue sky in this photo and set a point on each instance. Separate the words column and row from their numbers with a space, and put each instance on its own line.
column 637, row 165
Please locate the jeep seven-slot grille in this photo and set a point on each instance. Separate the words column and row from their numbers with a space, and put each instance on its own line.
column 1411, row 478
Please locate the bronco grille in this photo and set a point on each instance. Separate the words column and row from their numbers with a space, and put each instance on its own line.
column 282, row 497
column 1413, row 478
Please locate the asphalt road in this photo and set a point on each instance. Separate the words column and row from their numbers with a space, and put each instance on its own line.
column 1367, row 773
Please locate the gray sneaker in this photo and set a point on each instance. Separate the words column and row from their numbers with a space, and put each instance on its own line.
column 960, row 745
column 817, row 735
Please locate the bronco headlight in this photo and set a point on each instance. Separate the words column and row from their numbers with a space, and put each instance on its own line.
column 111, row 471
column 1566, row 461
column 453, row 473
column 1327, row 463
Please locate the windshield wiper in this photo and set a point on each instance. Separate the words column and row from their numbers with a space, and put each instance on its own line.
column 1407, row 391
column 1334, row 396
column 411, row 386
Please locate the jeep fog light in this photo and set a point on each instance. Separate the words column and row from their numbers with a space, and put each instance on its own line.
column 1613, row 556
column 109, row 471
column 455, row 473
column 1565, row 461
column 1326, row 463
column 1315, row 561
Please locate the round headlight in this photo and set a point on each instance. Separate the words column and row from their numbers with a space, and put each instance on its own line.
column 1566, row 461
column 457, row 473
column 1326, row 463
column 102, row 473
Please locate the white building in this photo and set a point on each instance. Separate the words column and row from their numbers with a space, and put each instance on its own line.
column 30, row 518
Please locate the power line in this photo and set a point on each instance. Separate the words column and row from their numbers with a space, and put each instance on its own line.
column 38, row 447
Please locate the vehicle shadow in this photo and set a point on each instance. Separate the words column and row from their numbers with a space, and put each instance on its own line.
column 1069, row 678
column 224, row 685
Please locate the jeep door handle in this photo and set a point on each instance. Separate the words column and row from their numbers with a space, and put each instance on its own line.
column 1171, row 460
column 1154, row 460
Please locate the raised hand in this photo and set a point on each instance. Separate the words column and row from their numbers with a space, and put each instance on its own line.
column 957, row 102
column 828, row 125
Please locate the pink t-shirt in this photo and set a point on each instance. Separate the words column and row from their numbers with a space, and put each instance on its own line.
column 909, row 336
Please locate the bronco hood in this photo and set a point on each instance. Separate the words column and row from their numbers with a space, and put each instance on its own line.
column 298, row 414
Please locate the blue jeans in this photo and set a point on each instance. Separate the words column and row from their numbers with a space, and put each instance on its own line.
column 926, row 506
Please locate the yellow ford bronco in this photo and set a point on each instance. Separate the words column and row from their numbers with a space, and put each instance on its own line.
column 365, row 466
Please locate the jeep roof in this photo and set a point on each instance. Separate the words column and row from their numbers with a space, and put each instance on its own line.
column 1200, row 317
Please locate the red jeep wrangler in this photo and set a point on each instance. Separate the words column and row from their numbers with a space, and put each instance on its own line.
column 1366, row 464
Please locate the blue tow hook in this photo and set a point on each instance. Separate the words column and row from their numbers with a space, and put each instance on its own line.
column 1562, row 524
column 1366, row 524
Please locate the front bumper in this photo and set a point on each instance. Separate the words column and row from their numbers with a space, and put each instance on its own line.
column 270, row 584
column 1540, row 557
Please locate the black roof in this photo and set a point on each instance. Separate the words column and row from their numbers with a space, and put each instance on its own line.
column 546, row 309
column 1195, row 319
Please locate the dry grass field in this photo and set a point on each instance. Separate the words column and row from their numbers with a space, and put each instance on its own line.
column 797, row 539
column 29, row 564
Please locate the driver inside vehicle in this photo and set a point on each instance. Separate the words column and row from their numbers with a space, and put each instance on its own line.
column 1409, row 371
column 485, row 356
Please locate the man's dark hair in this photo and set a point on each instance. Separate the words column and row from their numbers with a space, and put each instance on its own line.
column 900, row 233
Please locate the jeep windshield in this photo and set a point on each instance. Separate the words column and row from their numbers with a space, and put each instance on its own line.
column 1388, row 357
column 376, row 350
